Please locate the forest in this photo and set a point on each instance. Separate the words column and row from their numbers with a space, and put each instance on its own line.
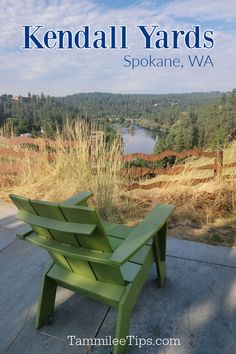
column 198, row 119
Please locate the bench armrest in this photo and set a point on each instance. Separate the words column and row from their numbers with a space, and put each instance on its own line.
column 24, row 233
column 142, row 233
column 79, row 198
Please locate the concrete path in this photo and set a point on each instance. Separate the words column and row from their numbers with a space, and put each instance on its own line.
column 197, row 305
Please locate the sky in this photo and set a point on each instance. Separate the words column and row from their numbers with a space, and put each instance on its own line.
column 61, row 72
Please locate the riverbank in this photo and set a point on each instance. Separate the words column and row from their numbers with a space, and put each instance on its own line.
column 150, row 125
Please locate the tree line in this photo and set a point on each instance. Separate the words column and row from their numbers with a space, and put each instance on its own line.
column 204, row 126
column 184, row 120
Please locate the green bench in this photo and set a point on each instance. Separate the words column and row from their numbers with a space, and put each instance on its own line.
column 105, row 261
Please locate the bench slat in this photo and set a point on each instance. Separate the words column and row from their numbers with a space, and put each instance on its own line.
column 80, row 198
column 69, row 251
column 57, row 225
column 108, row 293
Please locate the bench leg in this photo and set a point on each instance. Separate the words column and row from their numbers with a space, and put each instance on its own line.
column 127, row 303
column 122, row 327
column 159, row 248
column 46, row 300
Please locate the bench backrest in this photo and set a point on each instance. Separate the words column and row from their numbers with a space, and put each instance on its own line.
column 78, row 226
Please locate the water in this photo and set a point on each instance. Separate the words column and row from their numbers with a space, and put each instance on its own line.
column 138, row 139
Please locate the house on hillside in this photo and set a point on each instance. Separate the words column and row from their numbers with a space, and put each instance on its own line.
column 21, row 98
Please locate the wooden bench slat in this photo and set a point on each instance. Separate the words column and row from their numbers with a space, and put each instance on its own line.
column 79, row 198
column 69, row 251
column 57, row 225
column 94, row 288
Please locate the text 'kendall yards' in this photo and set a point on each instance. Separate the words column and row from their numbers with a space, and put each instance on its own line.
column 116, row 37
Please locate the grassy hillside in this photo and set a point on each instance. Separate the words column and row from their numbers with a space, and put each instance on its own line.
column 229, row 157
column 204, row 212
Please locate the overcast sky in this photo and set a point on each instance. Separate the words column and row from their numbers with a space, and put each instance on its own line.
column 61, row 72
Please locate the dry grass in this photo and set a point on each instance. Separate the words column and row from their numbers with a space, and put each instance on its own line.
column 91, row 165
column 204, row 202
column 204, row 212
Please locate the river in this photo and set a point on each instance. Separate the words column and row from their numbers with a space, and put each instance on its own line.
column 138, row 139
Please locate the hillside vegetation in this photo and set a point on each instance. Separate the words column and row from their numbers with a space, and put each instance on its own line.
column 204, row 120
column 204, row 212
column 91, row 165
column 211, row 126
column 184, row 120
column 35, row 113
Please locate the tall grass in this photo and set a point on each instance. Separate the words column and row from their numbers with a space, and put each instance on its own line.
column 88, row 163
column 204, row 203
column 205, row 212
